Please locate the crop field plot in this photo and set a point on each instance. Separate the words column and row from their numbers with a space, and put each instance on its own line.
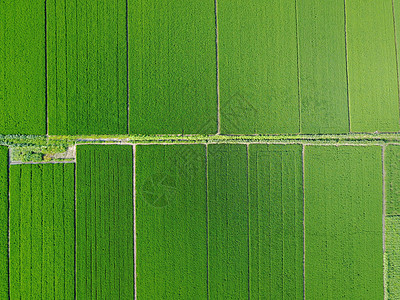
column 392, row 257
column 257, row 50
column 373, row 86
column 343, row 222
column 228, row 222
column 4, row 222
column 104, row 222
column 392, row 186
column 41, row 231
column 322, row 67
column 171, row 222
column 22, row 67
column 87, row 67
column 172, row 67
column 276, row 222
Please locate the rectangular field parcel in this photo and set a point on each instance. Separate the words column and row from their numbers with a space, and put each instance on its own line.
column 87, row 67
column 343, row 222
column 42, row 198
column 322, row 67
column 104, row 222
column 228, row 222
column 392, row 257
column 257, row 50
column 171, row 222
column 373, row 86
column 276, row 221
column 172, row 67
column 22, row 67
column 392, row 178
column 4, row 223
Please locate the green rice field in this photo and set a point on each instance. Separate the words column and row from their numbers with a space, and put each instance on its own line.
column 195, row 149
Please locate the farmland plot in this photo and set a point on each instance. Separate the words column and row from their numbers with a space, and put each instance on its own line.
column 42, row 231
column 104, row 222
column 392, row 257
column 4, row 222
column 22, row 67
column 87, row 67
column 172, row 67
column 373, row 87
column 322, row 59
column 392, row 168
column 228, row 222
column 171, row 222
column 343, row 222
column 257, row 50
column 276, row 221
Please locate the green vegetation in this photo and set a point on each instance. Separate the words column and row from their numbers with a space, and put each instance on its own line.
column 276, row 221
column 171, row 222
column 373, row 86
column 4, row 222
column 22, row 67
column 392, row 257
column 104, row 222
column 257, row 49
column 343, row 222
column 228, row 222
column 87, row 67
column 392, row 178
column 322, row 58
column 42, row 231
column 172, row 67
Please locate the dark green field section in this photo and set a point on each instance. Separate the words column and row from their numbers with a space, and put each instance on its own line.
column 343, row 222
column 392, row 257
column 4, row 223
column 257, row 50
column 228, row 222
column 104, row 222
column 171, row 222
column 22, row 67
column 392, row 179
column 172, row 67
column 322, row 65
column 87, row 67
column 373, row 86
column 42, row 231
column 276, row 221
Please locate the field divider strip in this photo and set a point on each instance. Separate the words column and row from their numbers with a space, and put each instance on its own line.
column 8, row 225
column 207, row 222
column 217, row 67
column 304, row 224
column 134, row 217
column 383, row 217
column 347, row 63
column 127, row 66
column 75, row 244
column 248, row 220
column 298, row 63
column 45, row 69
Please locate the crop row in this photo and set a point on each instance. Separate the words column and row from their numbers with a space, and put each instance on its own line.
column 151, row 67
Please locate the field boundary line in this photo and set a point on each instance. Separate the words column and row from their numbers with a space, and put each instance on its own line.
column 298, row 63
column 127, row 64
column 207, row 227
column 8, row 224
column 347, row 63
column 383, row 217
column 75, row 235
column 43, row 162
column 396, row 55
column 248, row 221
column 304, row 222
column 45, row 69
column 217, row 67
column 134, row 216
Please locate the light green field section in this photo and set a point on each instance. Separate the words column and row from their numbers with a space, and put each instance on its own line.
column 4, row 275
column 373, row 87
column 228, row 222
column 42, row 231
column 343, row 222
column 392, row 257
column 392, row 179
column 276, row 221
column 172, row 67
column 22, row 67
column 171, row 222
column 257, row 50
column 104, row 222
column 322, row 64
column 87, row 67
